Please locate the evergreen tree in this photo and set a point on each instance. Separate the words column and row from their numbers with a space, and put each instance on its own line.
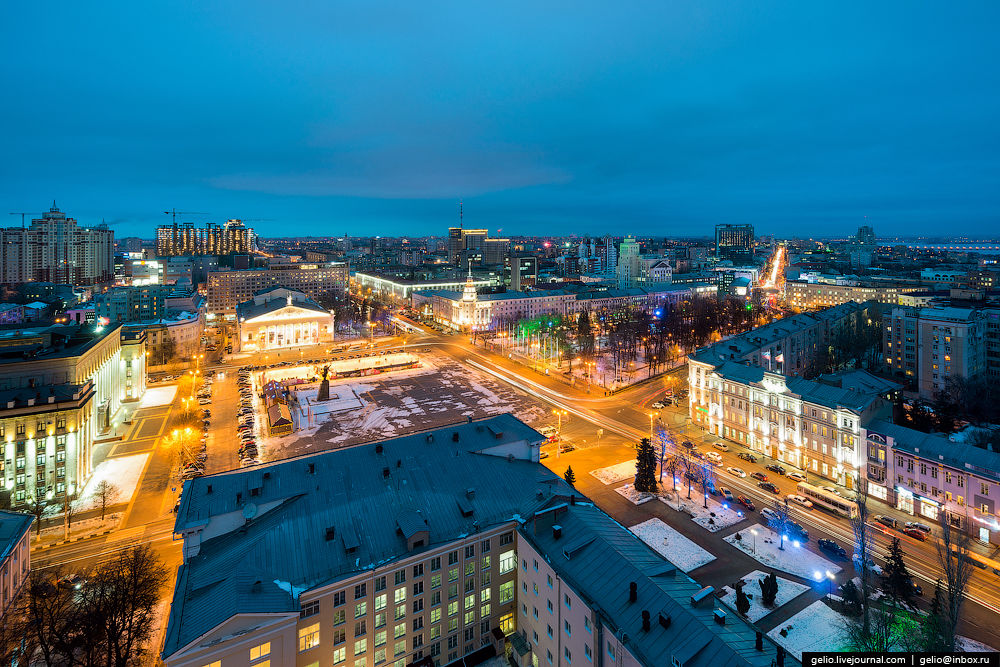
column 769, row 590
column 742, row 601
column 897, row 577
column 933, row 627
column 570, row 476
column 645, row 467
column 852, row 599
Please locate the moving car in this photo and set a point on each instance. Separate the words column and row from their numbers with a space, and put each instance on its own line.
column 873, row 567
column 727, row 494
column 739, row 472
column 919, row 526
column 74, row 581
column 658, row 405
column 746, row 502
column 759, row 476
column 797, row 476
column 915, row 534
column 775, row 468
column 721, row 446
column 767, row 486
column 747, row 457
column 800, row 500
column 768, row 514
column 714, row 457
column 832, row 548
column 887, row 521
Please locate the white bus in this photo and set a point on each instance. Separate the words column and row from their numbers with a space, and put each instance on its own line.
column 829, row 501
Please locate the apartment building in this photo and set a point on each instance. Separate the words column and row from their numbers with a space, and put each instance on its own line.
column 814, row 426
column 132, row 304
column 803, row 295
column 15, row 556
column 734, row 242
column 786, row 346
column 57, row 249
column 228, row 289
column 212, row 239
column 400, row 290
column 926, row 346
column 927, row 475
column 370, row 556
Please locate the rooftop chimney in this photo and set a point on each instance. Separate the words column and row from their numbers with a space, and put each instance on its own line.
column 645, row 620
column 556, row 532
column 633, row 591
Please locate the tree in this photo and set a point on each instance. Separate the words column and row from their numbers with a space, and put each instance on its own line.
column 105, row 494
column 956, row 564
column 570, row 476
column 898, row 580
column 645, row 467
column 742, row 601
column 863, row 542
column 933, row 627
column 706, row 480
column 852, row 599
column 37, row 506
column 782, row 521
column 768, row 590
column 122, row 595
column 165, row 351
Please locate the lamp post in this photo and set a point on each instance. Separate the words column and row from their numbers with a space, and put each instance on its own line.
column 559, row 414
column 753, row 531
column 651, row 415
column 830, row 577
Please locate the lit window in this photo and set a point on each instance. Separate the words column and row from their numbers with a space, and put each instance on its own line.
column 262, row 651
column 308, row 637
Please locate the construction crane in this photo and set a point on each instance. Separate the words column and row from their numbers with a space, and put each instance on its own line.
column 173, row 213
column 22, row 214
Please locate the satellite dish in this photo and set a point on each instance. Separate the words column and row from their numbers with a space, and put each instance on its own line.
column 250, row 511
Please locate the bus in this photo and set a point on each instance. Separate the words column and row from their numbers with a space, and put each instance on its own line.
column 829, row 501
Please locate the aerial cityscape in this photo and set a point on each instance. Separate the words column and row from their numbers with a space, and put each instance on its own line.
column 681, row 320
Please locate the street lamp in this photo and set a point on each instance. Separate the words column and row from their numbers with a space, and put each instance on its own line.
column 559, row 414
column 753, row 531
column 830, row 576
column 651, row 415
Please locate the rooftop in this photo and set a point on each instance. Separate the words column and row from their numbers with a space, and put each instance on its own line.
column 13, row 526
column 855, row 396
column 957, row 455
column 51, row 341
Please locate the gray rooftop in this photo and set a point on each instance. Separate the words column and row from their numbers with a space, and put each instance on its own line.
column 591, row 541
column 360, row 493
column 13, row 526
column 820, row 393
column 957, row 455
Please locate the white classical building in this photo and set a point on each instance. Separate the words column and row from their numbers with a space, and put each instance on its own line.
column 281, row 318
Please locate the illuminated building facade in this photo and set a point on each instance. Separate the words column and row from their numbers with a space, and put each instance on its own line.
column 187, row 239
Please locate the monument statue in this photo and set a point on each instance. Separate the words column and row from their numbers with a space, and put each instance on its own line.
column 324, row 385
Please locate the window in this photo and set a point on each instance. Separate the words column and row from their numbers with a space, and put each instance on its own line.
column 339, row 598
column 549, row 578
column 452, row 591
column 418, row 570
column 452, row 608
column 470, row 601
column 361, row 628
column 435, row 563
column 435, row 581
column 380, row 656
column 587, row 653
column 569, row 605
column 308, row 637
column 400, row 595
column 360, row 609
column 470, row 551
column 399, row 648
column 418, row 587
column 418, row 605
column 453, row 574
column 507, row 538
column 549, row 604
column 566, row 654
column 452, row 557
column 380, row 602
column 435, row 598
column 984, row 488
column 400, row 611
column 586, row 623
column 484, row 546
column 339, row 655
column 567, row 628
column 339, row 616
column 400, row 577
column 508, row 561
column 470, row 617
column 399, row 630
column 470, row 568
column 339, row 636
column 379, row 584
column 261, row 651
column 435, row 631
column 309, row 609
column 548, row 631
column 418, row 623
column 470, row 585
column 486, row 562
column 380, row 638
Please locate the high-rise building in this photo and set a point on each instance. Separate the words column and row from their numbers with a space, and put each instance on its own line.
column 523, row 272
column 627, row 269
column 495, row 251
column 610, row 256
column 56, row 249
column 734, row 242
column 463, row 241
column 862, row 247
column 186, row 239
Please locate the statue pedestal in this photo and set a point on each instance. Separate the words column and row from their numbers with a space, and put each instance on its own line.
column 324, row 391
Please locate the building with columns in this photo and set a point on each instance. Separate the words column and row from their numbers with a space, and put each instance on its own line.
column 281, row 318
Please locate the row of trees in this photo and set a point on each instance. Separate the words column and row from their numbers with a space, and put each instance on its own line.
column 106, row 620
column 857, row 343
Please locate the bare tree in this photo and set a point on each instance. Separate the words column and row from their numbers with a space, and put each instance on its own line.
column 888, row 630
column 782, row 521
column 37, row 506
column 956, row 565
column 863, row 547
column 706, row 480
column 105, row 495
column 123, row 594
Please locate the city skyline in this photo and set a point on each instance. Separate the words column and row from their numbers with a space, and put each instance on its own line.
column 366, row 120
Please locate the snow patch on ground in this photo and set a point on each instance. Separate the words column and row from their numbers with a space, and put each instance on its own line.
column 635, row 497
column 616, row 473
column 815, row 628
column 966, row 645
column 122, row 471
column 157, row 396
column 673, row 546
column 787, row 591
column 724, row 516
column 795, row 560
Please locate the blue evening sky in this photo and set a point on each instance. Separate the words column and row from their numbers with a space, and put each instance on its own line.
column 368, row 117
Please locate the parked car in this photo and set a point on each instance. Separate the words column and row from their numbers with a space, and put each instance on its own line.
column 768, row 514
column 727, row 494
column 887, row 521
column 873, row 567
column 832, row 548
column 739, row 472
column 746, row 502
column 800, row 500
column 759, row 476
column 687, row 444
column 721, row 446
column 919, row 526
column 767, row 486
column 775, row 468
column 915, row 534
column 797, row 476
column 714, row 457
column 747, row 457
